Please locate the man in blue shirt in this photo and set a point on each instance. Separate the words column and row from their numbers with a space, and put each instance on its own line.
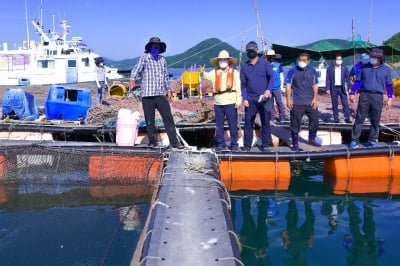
column 337, row 84
column 302, row 84
column 257, row 79
column 372, row 81
column 155, row 91
column 278, row 85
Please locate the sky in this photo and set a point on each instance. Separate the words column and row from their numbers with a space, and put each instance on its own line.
column 119, row 29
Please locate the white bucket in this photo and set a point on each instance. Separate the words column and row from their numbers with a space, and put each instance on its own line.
column 127, row 127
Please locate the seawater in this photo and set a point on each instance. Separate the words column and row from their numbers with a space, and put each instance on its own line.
column 309, row 225
column 75, row 226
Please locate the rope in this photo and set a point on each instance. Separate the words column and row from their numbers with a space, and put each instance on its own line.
column 150, row 257
column 391, row 166
column 276, row 171
column 348, row 170
column 231, row 258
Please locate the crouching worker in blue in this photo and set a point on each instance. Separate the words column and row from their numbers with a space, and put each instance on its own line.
column 156, row 94
column 372, row 81
column 257, row 79
column 302, row 84
column 227, row 96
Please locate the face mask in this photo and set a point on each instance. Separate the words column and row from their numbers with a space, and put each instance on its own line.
column 364, row 62
column 155, row 51
column 251, row 54
column 302, row 64
column 223, row 64
column 101, row 64
column 373, row 61
column 271, row 59
column 339, row 62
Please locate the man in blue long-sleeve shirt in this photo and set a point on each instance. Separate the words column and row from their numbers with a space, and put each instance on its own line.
column 257, row 78
column 372, row 81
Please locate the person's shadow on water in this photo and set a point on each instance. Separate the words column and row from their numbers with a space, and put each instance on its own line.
column 297, row 240
column 254, row 238
column 362, row 245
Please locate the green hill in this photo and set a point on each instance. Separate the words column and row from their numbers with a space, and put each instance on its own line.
column 199, row 54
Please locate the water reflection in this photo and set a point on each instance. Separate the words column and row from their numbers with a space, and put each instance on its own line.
column 71, row 226
column 362, row 245
column 253, row 237
column 318, row 231
column 297, row 239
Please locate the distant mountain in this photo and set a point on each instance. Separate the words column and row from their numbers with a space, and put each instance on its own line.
column 199, row 54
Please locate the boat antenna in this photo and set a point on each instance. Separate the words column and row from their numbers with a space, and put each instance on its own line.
column 370, row 20
column 242, row 43
column 27, row 26
column 41, row 13
column 259, row 29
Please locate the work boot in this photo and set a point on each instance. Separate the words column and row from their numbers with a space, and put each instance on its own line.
column 311, row 139
column 295, row 142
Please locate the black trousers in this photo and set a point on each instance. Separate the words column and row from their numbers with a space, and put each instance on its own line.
column 297, row 113
column 369, row 104
column 150, row 104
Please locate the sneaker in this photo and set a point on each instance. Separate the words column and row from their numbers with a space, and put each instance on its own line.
column 348, row 121
column 264, row 148
column 373, row 144
column 152, row 144
column 178, row 146
column 234, row 147
column 354, row 145
column 246, row 148
column 219, row 148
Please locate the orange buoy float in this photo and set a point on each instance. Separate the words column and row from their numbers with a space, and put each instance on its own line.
column 369, row 174
column 125, row 169
column 255, row 174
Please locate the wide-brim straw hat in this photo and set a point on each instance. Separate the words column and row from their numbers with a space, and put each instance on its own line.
column 163, row 46
column 223, row 55
column 271, row 53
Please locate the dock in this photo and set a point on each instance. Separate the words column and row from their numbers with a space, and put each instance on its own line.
column 189, row 221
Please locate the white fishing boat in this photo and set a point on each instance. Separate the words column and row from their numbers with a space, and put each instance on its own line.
column 53, row 59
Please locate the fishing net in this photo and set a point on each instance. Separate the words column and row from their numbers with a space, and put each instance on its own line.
column 55, row 169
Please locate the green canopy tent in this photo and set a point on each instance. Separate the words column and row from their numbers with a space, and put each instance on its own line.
column 289, row 54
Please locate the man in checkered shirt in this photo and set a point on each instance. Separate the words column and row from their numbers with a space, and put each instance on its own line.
column 156, row 94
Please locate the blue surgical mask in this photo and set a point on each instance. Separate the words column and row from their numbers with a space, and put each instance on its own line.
column 154, row 51
column 373, row 61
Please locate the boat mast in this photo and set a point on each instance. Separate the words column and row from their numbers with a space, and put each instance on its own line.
column 352, row 38
column 242, row 44
column 259, row 29
column 27, row 26
column 370, row 20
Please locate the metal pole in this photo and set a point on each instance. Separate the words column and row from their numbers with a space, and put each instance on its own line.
column 259, row 29
column 370, row 20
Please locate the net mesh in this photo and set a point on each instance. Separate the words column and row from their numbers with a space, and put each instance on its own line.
column 54, row 170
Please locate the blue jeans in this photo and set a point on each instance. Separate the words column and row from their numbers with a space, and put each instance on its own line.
column 250, row 116
column 339, row 91
column 230, row 112
column 100, row 92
